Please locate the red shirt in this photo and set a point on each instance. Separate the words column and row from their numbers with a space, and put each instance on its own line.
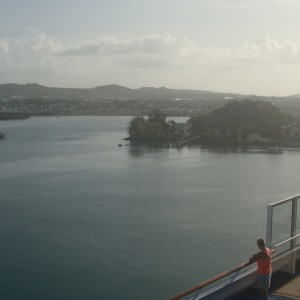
column 264, row 265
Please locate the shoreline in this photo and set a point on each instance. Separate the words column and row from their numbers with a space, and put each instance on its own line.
column 16, row 116
column 219, row 145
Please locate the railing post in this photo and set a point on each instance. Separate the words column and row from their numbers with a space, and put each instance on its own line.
column 269, row 226
column 293, row 234
column 294, row 223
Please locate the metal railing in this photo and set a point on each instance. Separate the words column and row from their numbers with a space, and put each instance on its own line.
column 291, row 208
column 208, row 282
column 283, row 259
column 287, row 240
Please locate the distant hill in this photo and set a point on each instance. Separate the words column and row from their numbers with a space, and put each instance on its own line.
column 113, row 91
column 297, row 96
column 40, row 99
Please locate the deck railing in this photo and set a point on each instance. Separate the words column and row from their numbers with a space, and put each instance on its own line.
column 282, row 228
column 282, row 224
column 204, row 284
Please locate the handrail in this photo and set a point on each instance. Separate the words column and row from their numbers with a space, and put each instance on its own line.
column 209, row 281
column 287, row 240
column 212, row 280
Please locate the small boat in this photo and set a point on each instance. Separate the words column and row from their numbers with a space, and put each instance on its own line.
column 2, row 134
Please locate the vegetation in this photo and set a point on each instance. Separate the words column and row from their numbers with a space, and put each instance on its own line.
column 237, row 121
column 154, row 128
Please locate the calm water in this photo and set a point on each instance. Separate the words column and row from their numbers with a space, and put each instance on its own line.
column 82, row 218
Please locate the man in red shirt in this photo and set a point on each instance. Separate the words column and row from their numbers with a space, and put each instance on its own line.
column 264, row 268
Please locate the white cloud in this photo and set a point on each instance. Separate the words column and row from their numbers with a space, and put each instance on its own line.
column 152, row 44
column 4, row 53
column 246, row 4
column 284, row 2
column 271, row 52
column 4, row 47
column 148, row 60
column 40, row 43
column 264, row 52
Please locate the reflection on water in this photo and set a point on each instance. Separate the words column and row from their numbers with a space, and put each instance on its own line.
column 136, row 149
column 244, row 149
column 139, row 149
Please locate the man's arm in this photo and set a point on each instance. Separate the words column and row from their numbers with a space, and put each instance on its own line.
column 257, row 256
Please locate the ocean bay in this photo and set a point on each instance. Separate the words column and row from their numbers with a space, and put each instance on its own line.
column 85, row 219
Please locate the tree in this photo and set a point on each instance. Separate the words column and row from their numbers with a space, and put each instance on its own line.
column 154, row 128
column 157, row 116
column 197, row 125
column 237, row 119
column 138, row 128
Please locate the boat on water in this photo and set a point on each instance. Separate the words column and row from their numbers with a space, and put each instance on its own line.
column 2, row 134
column 283, row 237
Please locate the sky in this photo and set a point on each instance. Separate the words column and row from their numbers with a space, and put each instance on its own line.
column 236, row 46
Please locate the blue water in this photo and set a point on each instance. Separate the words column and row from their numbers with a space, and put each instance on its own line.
column 82, row 218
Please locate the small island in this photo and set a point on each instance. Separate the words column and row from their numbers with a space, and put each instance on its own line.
column 237, row 122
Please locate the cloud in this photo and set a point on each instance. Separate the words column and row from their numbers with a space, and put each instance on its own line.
column 267, row 51
column 146, row 60
column 4, row 52
column 154, row 51
column 152, row 44
column 263, row 52
column 4, row 47
column 245, row 4
column 40, row 43
column 284, row 2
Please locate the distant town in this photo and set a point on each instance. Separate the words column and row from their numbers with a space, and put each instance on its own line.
column 22, row 101
column 100, row 106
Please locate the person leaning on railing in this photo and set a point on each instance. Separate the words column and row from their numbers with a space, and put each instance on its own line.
column 264, row 268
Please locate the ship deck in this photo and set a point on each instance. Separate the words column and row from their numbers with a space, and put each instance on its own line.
column 238, row 282
column 284, row 286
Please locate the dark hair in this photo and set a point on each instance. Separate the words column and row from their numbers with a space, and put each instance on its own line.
column 261, row 242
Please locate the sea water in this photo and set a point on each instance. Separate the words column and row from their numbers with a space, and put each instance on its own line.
column 85, row 218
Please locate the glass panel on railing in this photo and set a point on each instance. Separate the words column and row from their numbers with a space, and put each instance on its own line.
column 281, row 226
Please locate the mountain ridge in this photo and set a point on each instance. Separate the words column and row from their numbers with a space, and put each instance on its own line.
column 112, row 90
column 34, row 90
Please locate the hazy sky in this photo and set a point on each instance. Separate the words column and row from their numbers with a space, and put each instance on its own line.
column 239, row 46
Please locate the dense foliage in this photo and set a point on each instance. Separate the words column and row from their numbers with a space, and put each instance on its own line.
column 154, row 128
column 238, row 119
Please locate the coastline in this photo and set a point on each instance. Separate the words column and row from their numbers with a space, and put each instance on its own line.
column 274, row 145
column 197, row 141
